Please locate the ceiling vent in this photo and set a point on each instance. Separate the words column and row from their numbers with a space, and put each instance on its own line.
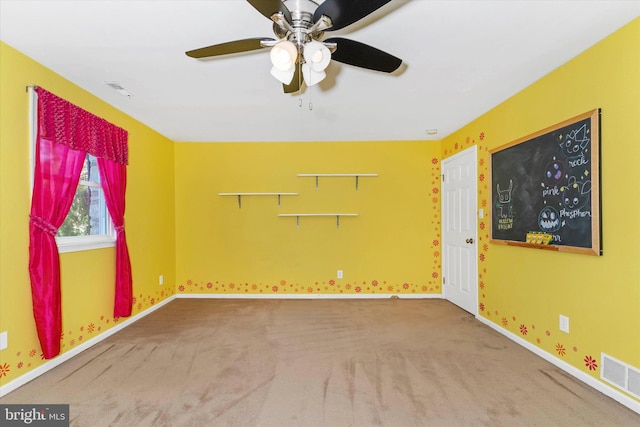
column 118, row 88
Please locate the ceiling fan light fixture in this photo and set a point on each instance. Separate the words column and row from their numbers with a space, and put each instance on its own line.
column 317, row 55
column 310, row 76
column 285, row 76
column 284, row 55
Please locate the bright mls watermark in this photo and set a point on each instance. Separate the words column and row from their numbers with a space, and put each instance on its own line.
column 34, row 415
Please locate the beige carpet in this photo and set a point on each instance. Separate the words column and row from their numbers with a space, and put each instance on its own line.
column 316, row 363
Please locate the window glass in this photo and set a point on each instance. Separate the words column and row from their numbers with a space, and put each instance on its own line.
column 88, row 215
column 88, row 224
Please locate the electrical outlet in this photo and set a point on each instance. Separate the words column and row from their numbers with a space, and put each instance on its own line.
column 564, row 323
column 161, row 280
column 4, row 340
column 340, row 275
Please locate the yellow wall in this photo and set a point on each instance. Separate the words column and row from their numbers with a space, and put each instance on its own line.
column 528, row 288
column 87, row 277
column 392, row 247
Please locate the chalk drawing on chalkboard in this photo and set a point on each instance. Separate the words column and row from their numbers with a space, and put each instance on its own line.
column 575, row 146
column 550, row 181
column 575, row 195
column 549, row 219
column 505, row 207
column 554, row 172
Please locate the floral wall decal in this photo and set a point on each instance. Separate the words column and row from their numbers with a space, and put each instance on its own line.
column 331, row 286
column 590, row 363
column 24, row 360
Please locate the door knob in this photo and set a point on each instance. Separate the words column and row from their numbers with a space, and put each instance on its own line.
column 469, row 241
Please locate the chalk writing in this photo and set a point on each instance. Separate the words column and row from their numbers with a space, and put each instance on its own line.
column 505, row 223
column 551, row 191
column 580, row 161
column 574, row 213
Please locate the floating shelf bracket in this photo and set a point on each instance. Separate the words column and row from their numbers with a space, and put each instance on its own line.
column 239, row 195
column 337, row 215
column 318, row 175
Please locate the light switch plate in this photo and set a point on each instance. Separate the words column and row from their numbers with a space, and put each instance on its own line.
column 564, row 323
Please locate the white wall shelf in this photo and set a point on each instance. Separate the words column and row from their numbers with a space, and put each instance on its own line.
column 239, row 195
column 318, row 175
column 337, row 215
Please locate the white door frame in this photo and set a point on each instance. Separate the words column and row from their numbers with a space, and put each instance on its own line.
column 473, row 149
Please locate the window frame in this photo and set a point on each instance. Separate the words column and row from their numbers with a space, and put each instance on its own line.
column 69, row 243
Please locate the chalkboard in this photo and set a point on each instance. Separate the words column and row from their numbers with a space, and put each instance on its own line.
column 550, row 182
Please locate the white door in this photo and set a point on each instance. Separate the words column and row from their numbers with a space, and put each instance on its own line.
column 459, row 230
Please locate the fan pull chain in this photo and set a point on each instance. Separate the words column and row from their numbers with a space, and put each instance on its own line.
column 299, row 65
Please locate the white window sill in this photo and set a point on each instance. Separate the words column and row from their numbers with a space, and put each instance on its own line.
column 85, row 243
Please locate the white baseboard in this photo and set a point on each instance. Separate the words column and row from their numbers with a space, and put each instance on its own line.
column 310, row 296
column 52, row 363
column 622, row 398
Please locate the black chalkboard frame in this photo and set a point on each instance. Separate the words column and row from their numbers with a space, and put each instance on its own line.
column 594, row 246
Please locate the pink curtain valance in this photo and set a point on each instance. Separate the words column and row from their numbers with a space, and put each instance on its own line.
column 65, row 123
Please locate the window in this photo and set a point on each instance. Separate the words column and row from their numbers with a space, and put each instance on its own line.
column 88, row 224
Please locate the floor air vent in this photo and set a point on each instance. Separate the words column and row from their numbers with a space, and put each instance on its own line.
column 620, row 374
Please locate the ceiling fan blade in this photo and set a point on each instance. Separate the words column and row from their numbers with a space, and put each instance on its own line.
column 269, row 7
column 236, row 46
column 346, row 12
column 294, row 86
column 361, row 55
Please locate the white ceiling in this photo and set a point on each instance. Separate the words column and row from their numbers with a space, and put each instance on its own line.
column 461, row 58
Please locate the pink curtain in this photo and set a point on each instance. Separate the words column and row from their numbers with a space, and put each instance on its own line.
column 66, row 133
column 56, row 176
column 114, row 183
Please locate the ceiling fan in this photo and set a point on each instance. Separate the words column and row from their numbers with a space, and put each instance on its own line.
column 299, row 26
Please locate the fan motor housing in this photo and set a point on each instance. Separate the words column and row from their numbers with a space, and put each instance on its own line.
column 301, row 21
